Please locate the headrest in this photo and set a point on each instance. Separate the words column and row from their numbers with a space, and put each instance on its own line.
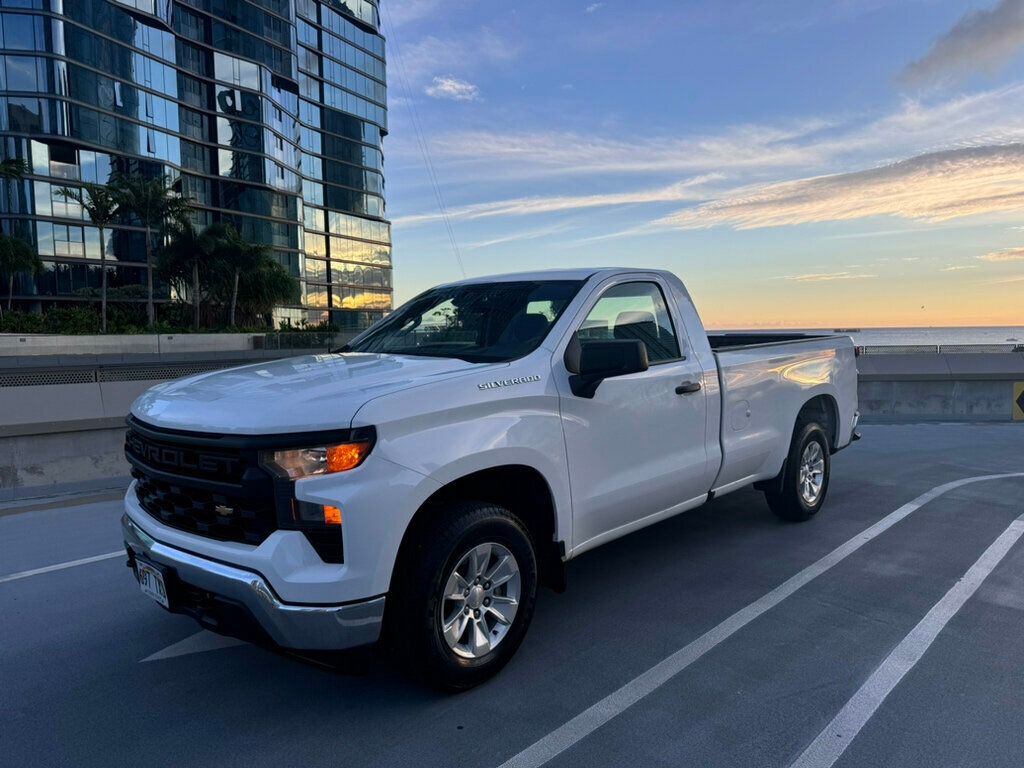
column 635, row 318
column 527, row 326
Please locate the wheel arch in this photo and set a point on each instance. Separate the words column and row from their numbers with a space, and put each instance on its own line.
column 824, row 410
column 520, row 488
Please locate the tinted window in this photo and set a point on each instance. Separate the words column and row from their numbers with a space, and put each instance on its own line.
column 634, row 311
column 483, row 322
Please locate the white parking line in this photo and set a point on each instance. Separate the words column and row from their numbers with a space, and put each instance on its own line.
column 200, row 642
column 837, row 735
column 61, row 566
column 614, row 704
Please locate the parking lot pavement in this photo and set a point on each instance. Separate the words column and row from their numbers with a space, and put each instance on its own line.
column 758, row 689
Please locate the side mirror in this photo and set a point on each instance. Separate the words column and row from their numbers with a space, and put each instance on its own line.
column 592, row 362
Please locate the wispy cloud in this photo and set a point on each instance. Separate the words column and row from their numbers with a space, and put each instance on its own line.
column 982, row 40
column 431, row 55
column 546, row 153
column 978, row 167
column 521, row 235
column 874, row 233
column 689, row 190
column 958, row 267
column 401, row 12
column 594, row 7
column 824, row 277
column 453, row 89
column 934, row 187
column 986, row 118
column 1005, row 254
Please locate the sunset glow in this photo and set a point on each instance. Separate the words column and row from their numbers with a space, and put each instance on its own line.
column 799, row 165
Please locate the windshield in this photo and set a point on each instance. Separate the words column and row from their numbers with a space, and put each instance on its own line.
column 479, row 322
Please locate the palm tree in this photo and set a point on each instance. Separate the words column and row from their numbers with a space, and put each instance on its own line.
column 157, row 207
column 236, row 256
column 266, row 286
column 13, row 169
column 16, row 256
column 101, row 204
column 189, row 256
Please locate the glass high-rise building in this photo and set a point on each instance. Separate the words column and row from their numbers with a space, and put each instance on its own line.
column 268, row 114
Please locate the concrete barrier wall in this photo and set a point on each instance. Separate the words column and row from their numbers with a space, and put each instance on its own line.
column 47, row 464
column 154, row 344
column 939, row 387
column 892, row 401
column 62, row 436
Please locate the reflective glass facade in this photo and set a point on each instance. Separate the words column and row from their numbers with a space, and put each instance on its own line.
column 269, row 114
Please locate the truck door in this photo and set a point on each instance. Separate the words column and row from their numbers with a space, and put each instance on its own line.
column 638, row 447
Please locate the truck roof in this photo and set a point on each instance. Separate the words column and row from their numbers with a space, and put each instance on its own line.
column 579, row 273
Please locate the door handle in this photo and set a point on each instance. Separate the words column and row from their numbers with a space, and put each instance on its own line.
column 688, row 388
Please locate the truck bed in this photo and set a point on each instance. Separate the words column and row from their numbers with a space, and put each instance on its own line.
column 724, row 341
column 764, row 380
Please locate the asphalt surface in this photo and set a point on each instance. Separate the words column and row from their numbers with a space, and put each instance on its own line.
column 75, row 691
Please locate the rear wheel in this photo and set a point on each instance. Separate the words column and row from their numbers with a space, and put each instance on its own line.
column 799, row 492
column 468, row 596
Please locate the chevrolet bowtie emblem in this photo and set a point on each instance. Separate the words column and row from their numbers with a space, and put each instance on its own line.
column 223, row 511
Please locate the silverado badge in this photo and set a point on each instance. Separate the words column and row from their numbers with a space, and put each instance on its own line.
column 508, row 382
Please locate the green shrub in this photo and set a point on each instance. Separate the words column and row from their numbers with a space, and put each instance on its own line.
column 76, row 321
column 124, row 317
column 22, row 322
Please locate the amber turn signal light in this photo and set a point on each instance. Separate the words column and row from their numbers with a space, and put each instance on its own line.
column 308, row 512
column 332, row 515
column 346, row 456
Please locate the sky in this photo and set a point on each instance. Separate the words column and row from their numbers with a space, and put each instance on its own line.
column 822, row 163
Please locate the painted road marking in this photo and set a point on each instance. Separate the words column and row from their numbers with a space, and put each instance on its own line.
column 619, row 701
column 200, row 642
column 59, row 502
column 838, row 735
column 1018, row 401
column 62, row 566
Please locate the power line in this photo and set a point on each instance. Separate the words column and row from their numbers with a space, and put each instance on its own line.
column 422, row 141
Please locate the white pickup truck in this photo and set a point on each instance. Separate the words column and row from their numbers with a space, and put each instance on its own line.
column 423, row 481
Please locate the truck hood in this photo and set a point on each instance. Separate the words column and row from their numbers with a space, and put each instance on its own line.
column 296, row 394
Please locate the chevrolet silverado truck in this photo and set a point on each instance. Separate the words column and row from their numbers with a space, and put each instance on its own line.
column 422, row 482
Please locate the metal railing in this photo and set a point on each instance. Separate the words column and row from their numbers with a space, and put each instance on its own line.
column 49, row 376
column 939, row 349
column 898, row 349
column 321, row 341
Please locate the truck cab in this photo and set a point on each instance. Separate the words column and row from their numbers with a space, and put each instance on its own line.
column 423, row 481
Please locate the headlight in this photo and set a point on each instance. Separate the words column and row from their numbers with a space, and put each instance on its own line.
column 322, row 460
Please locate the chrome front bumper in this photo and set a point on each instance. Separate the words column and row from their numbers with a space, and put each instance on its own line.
column 301, row 627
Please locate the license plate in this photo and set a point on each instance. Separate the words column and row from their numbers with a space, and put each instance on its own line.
column 151, row 581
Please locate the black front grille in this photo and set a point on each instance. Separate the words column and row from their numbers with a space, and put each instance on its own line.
column 216, row 515
column 203, row 484
column 213, row 485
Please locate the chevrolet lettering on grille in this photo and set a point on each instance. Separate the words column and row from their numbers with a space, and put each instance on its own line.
column 168, row 456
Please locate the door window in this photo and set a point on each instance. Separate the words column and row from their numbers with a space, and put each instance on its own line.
column 634, row 311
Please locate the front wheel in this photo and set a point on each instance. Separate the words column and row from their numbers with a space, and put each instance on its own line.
column 800, row 491
column 469, row 596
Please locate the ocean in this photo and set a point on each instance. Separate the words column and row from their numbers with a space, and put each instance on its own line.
column 900, row 336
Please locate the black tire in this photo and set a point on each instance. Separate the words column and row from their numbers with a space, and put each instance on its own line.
column 419, row 600
column 784, row 495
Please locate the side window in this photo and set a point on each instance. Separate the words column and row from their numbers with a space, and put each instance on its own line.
column 634, row 311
